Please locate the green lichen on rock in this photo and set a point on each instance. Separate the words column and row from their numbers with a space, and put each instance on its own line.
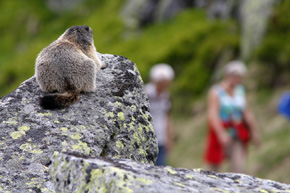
column 121, row 116
column 102, row 123
column 20, row 132
column 94, row 175
column 31, row 148
column 92, row 178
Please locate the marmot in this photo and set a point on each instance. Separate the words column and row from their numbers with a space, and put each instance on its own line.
column 68, row 66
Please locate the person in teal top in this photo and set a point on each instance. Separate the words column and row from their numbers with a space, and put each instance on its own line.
column 231, row 108
column 231, row 124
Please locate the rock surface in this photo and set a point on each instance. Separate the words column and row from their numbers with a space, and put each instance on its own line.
column 113, row 122
column 73, row 173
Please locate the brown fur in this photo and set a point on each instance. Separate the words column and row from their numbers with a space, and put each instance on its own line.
column 68, row 66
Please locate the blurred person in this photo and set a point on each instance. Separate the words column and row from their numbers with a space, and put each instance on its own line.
column 231, row 124
column 161, row 76
column 284, row 105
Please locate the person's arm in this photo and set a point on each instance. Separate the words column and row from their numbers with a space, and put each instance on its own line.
column 255, row 135
column 214, row 119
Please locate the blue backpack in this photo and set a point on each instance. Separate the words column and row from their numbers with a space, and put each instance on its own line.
column 284, row 104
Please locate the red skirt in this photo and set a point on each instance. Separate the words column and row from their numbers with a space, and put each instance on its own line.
column 214, row 153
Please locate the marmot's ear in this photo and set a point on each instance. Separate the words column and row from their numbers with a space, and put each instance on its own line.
column 87, row 28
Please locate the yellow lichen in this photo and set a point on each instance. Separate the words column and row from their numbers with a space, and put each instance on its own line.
column 45, row 114
column 37, row 151
column 20, row 132
column 221, row 190
column 142, row 151
column 24, row 128
column 238, row 181
column 189, row 176
column 137, row 138
column 64, row 143
column 17, row 134
column 272, row 190
column 121, row 116
column 131, row 126
column 212, row 176
column 64, row 129
column 264, row 191
column 178, row 184
column 150, row 128
column 133, row 108
column 22, row 158
column 82, row 147
column 140, row 130
column 121, row 182
column 76, row 136
column 144, row 181
column 33, row 183
column 46, row 190
column 10, row 121
column 110, row 114
column 170, row 170
column 118, row 104
column 140, row 78
column 119, row 144
column 55, row 154
column 30, row 148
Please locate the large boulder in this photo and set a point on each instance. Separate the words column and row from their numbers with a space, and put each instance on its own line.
column 75, row 173
column 112, row 122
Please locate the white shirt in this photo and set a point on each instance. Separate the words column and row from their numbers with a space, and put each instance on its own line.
column 159, row 107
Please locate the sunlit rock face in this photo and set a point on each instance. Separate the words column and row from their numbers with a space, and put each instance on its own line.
column 75, row 173
column 112, row 122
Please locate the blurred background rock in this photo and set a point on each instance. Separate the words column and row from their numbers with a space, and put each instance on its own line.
column 196, row 37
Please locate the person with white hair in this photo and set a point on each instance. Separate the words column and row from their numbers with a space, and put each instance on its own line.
column 231, row 124
column 161, row 76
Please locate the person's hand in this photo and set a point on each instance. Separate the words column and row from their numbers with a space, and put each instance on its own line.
column 224, row 139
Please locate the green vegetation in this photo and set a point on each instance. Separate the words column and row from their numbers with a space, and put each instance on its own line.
column 26, row 28
column 189, row 43
column 273, row 54
column 194, row 45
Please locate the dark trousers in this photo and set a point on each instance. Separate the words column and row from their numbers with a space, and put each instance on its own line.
column 161, row 159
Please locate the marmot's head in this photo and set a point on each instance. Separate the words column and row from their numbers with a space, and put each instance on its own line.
column 81, row 34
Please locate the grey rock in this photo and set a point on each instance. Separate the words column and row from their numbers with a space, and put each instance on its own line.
column 112, row 122
column 74, row 173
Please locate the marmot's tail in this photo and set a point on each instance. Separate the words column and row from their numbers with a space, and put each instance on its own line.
column 58, row 101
